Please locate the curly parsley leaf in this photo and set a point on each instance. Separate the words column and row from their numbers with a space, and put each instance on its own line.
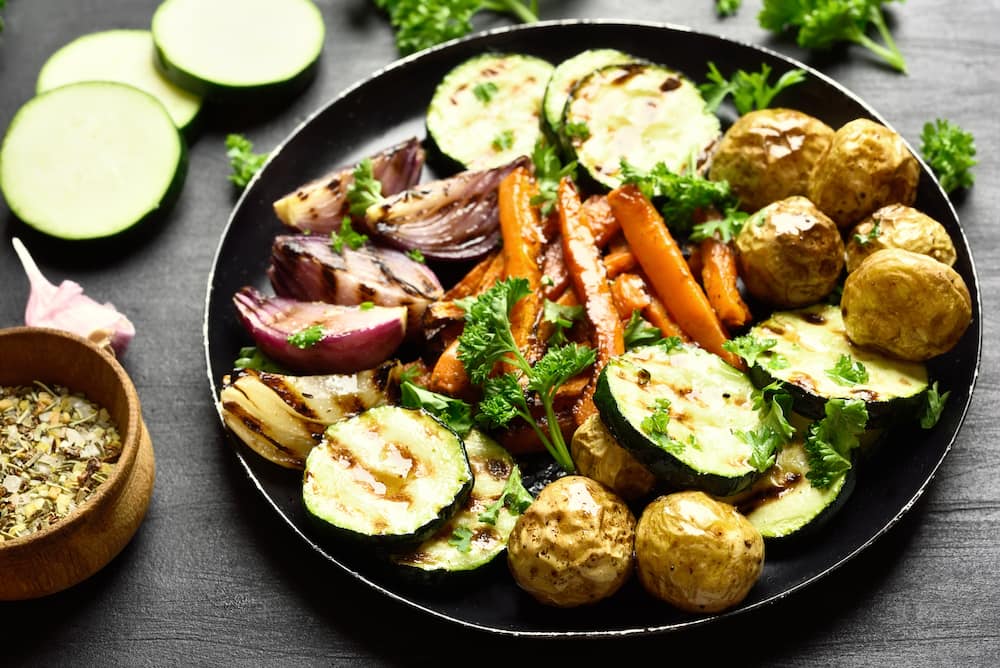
column 725, row 228
column 503, row 400
column 420, row 24
column 307, row 337
column 774, row 405
column 251, row 358
column 848, row 371
column 830, row 441
column 727, row 7
column 487, row 336
column 750, row 348
column 950, row 151
column 243, row 162
column 485, row 91
column 819, row 24
column 639, row 332
column 750, row 90
column 366, row 190
column 576, row 130
column 933, row 405
column 453, row 412
column 514, row 497
column 562, row 318
column 549, row 171
column 461, row 538
column 870, row 236
column 346, row 236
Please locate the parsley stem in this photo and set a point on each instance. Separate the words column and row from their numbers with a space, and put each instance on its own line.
column 523, row 12
column 558, row 448
column 890, row 52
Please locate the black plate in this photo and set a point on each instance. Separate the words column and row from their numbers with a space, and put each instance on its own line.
column 389, row 107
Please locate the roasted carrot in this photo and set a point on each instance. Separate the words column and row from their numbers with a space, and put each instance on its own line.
column 520, row 229
column 567, row 298
column 448, row 375
column 555, row 276
column 601, row 221
column 656, row 314
column 719, row 278
column 619, row 262
column 662, row 262
column 583, row 259
column 470, row 283
column 630, row 294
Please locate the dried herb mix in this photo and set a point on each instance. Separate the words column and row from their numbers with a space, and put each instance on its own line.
column 56, row 448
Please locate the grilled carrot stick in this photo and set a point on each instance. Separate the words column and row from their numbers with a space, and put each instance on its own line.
column 520, row 229
column 583, row 259
column 601, row 221
column 448, row 375
column 656, row 314
column 718, row 276
column 668, row 272
column 471, row 283
column 629, row 294
column 619, row 262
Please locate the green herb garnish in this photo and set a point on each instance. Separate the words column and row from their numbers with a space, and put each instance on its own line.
column 415, row 255
column 727, row 7
column 485, row 91
column 242, row 160
column 751, row 348
column 829, row 441
column 950, row 151
column 307, row 337
column 679, row 196
column 487, row 339
column 562, row 318
column 514, row 497
column 461, row 539
column 750, row 90
column 366, row 306
column 251, row 358
column 848, row 371
column 774, row 431
column 576, row 130
column 725, row 228
column 365, row 190
column 549, row 171
column 639, row 332
column 453, row 412
column 346, row 236
column 655, row 426
column 420, row 24
column 933, row 405
column 819, row 24
column 503, row 141
column 870, row 236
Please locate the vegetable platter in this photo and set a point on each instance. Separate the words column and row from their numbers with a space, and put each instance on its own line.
column 390, row 107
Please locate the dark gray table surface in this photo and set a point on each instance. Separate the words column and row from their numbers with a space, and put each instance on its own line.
column 214, row 578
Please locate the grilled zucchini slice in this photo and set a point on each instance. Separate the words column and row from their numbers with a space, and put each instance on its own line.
column 706, row 402
column 487, row 111
column 389, row 476
column 643, row 113
column 810, row 342
column 568, row 73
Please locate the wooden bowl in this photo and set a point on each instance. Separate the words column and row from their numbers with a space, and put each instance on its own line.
column 84, row 541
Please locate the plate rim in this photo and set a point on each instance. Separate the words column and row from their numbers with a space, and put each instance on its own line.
column 485, row 36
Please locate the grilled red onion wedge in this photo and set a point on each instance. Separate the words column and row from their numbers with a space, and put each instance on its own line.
column 282, row 417
column 308, row 269
column 320, row 205
column 451, row 219
column 316, row 337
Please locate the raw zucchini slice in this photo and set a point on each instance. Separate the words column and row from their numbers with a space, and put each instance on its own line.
column 390, row 475
column 226, row 49
column 706, row 402
column 640, row 112
column 468, row 541
column 89, row 160
column 568, row 73
column 486, row 111
column 809, row 343
column 783, row 503
column 125, row 56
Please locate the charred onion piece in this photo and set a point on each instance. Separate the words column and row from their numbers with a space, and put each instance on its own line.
column 282, row 417
column 307, row 269
column 345, row 339
column 450, row 219
column 320, row 205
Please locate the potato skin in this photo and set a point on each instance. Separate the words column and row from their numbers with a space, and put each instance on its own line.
column 900, row 226
column 573, row 545
column 768, row 155
column 905, row 304
column 790, row 253
column 866, row 167
column 598, row 455
column 696, row 553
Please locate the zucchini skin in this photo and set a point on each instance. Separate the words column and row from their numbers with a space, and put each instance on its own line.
column 664, row 466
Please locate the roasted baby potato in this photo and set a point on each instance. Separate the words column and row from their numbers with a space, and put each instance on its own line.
column 573, row 545
column 790, row 253
column 906, row 304
column 598, row 455
column 866, row 167
column 696, row 553
column 767, row 155
column 899, row 226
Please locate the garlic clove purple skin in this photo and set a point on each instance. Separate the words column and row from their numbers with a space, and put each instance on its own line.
column 65, row 307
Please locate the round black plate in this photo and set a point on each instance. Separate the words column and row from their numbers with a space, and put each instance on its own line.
column 389, row 107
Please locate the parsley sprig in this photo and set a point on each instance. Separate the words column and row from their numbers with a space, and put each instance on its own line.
column 774, row 405
column 242, row 160
column 829, row 441
column 727, row 7
column 848, row 371
column 514, row 497
column 639, row 332
column 562, row 317
column 750, row 348
column 453, row 412
column 750, row 90
column 346, row 236
column 819, row 24
column 549, row 170
column 366, row 190
column 487, row 339
column 933, row 406
column 420, row 24
column 950, row 151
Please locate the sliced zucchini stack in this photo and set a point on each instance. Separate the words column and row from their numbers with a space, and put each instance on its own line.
column 478, row 532
column 680, row 412
column 568, row 73
column 90, row 160
column 389, row 476
column 487, row 111
column 639, row 112
column 229, row 49
column 811, row 344
column 125, row 56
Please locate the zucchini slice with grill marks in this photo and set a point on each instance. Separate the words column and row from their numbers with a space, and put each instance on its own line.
column 568, row 73
column 810, row 342
column 478, row 532
column 487, row 111
column 640, row 112
column 389, row 476
column 705, row 402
